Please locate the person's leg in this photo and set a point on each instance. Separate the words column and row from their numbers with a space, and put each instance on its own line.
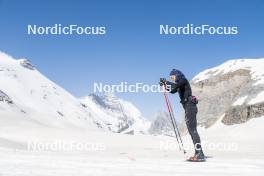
column 195, row 138
column 191, row 122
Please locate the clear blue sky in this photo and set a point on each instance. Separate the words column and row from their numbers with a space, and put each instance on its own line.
column 132, row 50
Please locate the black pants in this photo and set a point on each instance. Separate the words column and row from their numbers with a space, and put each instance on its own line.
column 191, row 123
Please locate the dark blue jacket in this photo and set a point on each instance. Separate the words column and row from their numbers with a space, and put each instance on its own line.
column 182, row 86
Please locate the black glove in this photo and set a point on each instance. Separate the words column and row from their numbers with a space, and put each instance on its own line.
column 162, row 81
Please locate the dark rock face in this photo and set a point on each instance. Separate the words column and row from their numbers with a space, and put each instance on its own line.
column 25, row 63
column 241, row 114
column 5, row 98
column 217, row 94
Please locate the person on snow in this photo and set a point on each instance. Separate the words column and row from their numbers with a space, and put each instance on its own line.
column 189, row 102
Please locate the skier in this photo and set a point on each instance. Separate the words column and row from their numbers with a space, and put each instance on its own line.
column 189, row 103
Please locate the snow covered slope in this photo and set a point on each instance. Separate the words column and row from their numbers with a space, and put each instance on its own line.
column 26, row 96
column 232, row 150
column 254, row 66
column 116, row 114
column 235, row 88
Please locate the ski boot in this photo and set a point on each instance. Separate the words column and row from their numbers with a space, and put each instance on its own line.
column 199, row 157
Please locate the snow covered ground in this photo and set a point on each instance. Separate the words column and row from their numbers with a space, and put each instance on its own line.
column 128, row 155
column 44, row 130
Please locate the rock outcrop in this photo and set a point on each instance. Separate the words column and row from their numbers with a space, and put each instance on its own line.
column 230, row 90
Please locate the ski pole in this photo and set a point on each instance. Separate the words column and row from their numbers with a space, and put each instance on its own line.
column 177, row 129
column 167, row 103
column 174, row 123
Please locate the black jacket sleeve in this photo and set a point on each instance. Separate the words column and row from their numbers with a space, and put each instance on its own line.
column 175, row 86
